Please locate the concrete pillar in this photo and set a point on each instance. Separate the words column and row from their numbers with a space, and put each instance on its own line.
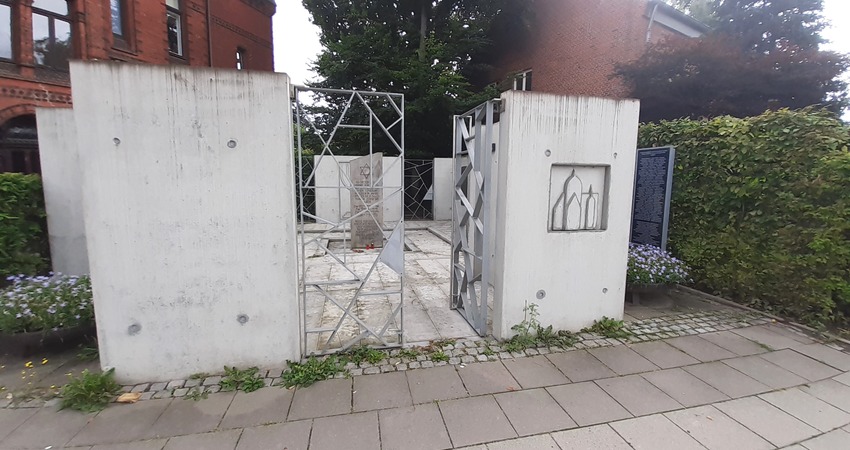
column 443, row 188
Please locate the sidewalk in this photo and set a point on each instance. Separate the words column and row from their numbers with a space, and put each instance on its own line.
column 759, row 387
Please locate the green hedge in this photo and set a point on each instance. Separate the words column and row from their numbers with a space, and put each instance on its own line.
column 24, row 248
column 761, row 209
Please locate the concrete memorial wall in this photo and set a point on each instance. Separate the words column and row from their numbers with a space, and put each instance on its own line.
column 333, row 197
column 189, row 216
column 366, row 208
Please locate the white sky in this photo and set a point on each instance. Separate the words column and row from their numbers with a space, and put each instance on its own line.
column 296, row 39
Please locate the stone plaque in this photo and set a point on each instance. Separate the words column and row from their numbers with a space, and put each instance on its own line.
column 653, row 187
column 367, row 228
column 578, row 197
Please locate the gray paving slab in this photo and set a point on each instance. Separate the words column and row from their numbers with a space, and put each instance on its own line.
column 637, row 395
column 47, row 428
column 844, row 378
column 765, row 336
column 475, row 420
column 10, row 419
column 541, row 442
column 622, row 360
column 352, row 431
column 587, row 403
column 417, row 427
column 830, row 391
column 533, row 411
column 121, row 423
column 735, row 343
column 325, row 398
column 487, row 378
column 260, row 407
column 655, row 432
column 386, row 390
column 790, row 332
column 715, row 430
column 595, row 437
column 185, row 416
column 534, row 372
column 219, row 440
column 807, row 408
column 663, row 355
column 765, row 372
column 835, row 440
column 826, row 355
column 771, row 423
column 699, row 348
column 291, row 436
column 800, row 364
column 684, row 387
column 579, row 365
column 726, row 379
column 434, row 384
column 150, row 444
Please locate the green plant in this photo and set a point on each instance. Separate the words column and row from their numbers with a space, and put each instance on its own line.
column 443, row 343
column 608, row 327
column 90, row 392
column 367, row 354
column 311, row 371
column 88, row 352
column 197, row 393
column 530, row 333
column 23, row 228
column 199, row 376
column 247, row 380
column 487, row 352
column 410, row 353
column 45, row 303
column 439, row 356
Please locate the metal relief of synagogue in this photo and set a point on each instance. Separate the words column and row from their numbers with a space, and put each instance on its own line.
column 577, row 198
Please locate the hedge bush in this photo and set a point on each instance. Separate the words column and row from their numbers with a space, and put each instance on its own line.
column 761, row 209
column 24, row 248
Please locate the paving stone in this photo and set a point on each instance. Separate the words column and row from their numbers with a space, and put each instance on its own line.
column 475, row 420
column 351, row 431
column 802, row 365
column 663, row 355
column 325, row 398
column 140, row 387
column 211, row 381
column 830, row 391
column 580, row 366
column 763, row 335
column 121, row 423
column 542, row 442
column 715, row 430
column 417, row 427
column 700, row 349
column 188, row 417
column 595, row 437
column 766, row 420
column 533, row 412
column 807, row 408
column 765, row 372
column 487, row 378
column 427, row 364
column 736, row 344
column 826, row 355
column 47, row 427
column 655, row 432
column 175, row 384
column 637, row 395
column 684, row 387
column 622, row 360
column 190, row 383
column 843, row 378
column 726, row 379
column 535, row 371
column 146, row 395
column 275, row 373
column 291, row 435
column 219, row 440
column 10, row 419
column 835, row 440
column 388, row 390
column 161, row 386
column 371, row 370
column 260, row 407
column 150, row 444
column 587, row 403
column 439, row 383
column 790, row 332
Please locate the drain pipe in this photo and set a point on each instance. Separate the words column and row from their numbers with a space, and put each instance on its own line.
column 209, row 33
column 651, row 21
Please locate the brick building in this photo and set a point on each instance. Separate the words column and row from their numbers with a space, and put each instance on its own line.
column 38, row 37
column 574, row 45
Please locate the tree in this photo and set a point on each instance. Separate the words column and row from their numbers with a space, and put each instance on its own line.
column 437, row 53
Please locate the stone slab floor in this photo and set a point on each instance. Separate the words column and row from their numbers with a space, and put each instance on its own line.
column 760, row 387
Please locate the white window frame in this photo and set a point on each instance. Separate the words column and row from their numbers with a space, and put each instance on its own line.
column 172, row 11
column 521, row 81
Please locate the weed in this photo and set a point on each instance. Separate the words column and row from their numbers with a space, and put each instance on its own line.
column 608, row 327
column 90, row 392
column 88, row 352
column 199, row 376
column 307, row 373
column 361, row 354
column 410, row 353
column 530, row 333
column 247, row 380
column 487, row 352
column 197, row 393
column 439, row 356
column 443, row 343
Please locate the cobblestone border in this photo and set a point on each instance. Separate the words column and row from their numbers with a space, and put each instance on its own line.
column 466, row 351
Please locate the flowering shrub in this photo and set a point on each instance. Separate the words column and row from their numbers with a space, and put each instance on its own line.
column 651, row 265
column 45, row 303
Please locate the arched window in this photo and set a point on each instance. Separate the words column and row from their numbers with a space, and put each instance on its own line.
column 19, row 145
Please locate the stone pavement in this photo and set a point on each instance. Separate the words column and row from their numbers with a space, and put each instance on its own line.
column 765, row 386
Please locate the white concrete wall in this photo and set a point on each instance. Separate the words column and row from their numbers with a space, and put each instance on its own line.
column 191, row 240
column 63, row 196
column 583, row 273
column 330, row 201
column 443, row 188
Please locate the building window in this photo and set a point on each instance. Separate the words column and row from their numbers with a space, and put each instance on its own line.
column 175, row 27
column 51, row 33
column 522, row 81
column 117, row 7
column 5, row 30
column 240, row 58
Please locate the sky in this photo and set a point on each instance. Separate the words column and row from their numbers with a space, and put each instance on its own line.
column 296, row 39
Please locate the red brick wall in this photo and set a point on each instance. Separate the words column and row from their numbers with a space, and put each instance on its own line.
column 245, row 24
column 575, row 45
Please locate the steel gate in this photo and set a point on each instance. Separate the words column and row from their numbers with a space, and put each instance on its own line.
column 419, row 189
